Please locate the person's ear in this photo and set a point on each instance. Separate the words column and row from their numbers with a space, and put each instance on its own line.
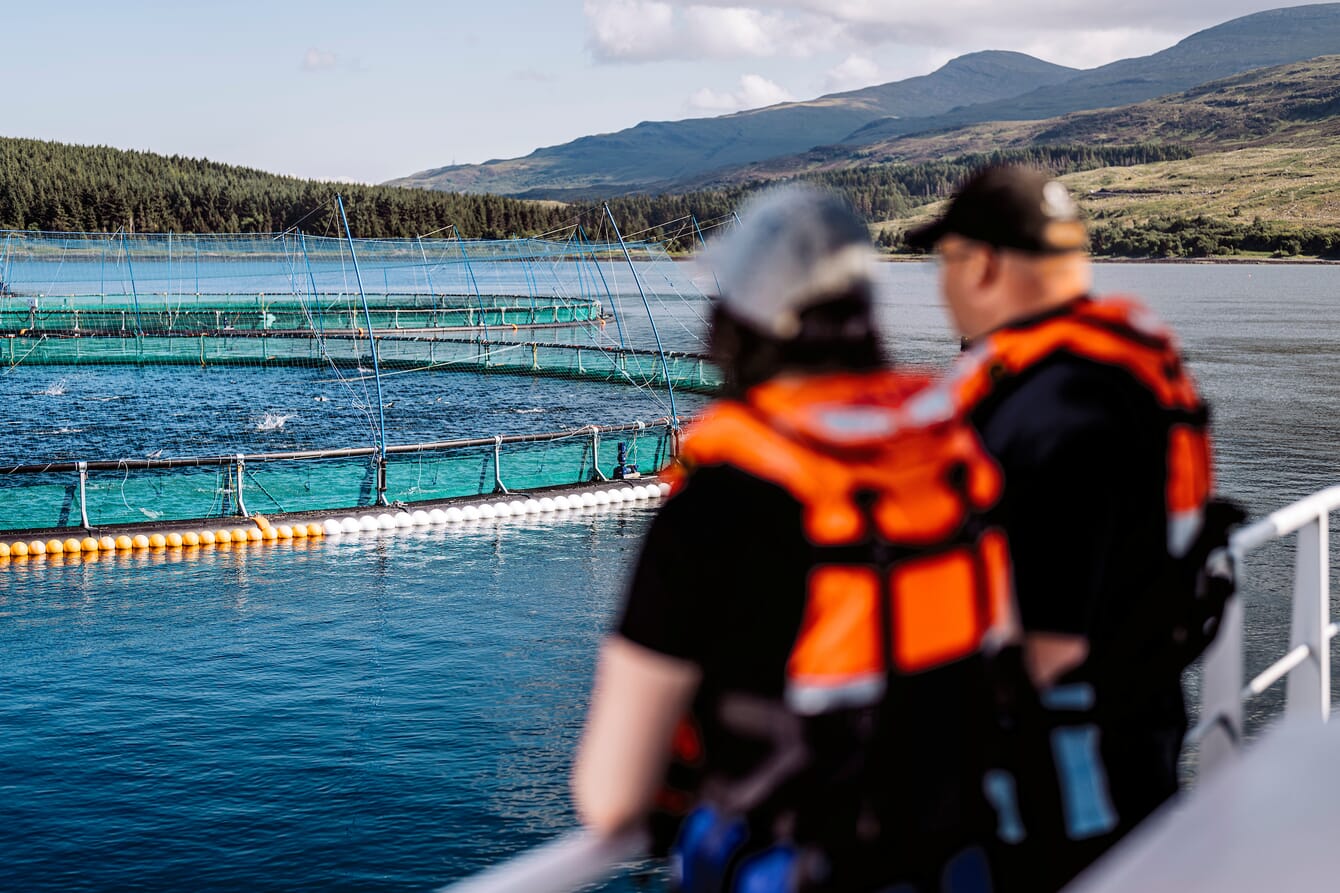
column 989, row 274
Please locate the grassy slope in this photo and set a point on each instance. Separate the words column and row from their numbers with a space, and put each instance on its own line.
column 1269, row 145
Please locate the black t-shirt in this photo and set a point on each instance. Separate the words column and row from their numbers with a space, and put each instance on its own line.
column 1083, row 447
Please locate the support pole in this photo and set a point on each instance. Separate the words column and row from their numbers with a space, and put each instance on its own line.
column 427, row 272
column 498, row 486
column 241, row 505
column 469, row 271
column 83, row 496
column 372, row 341
column 697, row 229
column 614, row 304
column 134, row 292
column 597, row 475
column 1309, row 686
column 660, row 351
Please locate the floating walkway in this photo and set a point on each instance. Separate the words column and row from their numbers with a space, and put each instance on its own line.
column 64, row 500
column 191, row 540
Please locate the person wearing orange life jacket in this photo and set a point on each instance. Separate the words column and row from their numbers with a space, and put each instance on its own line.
column 816, row 596
column 1104, row 443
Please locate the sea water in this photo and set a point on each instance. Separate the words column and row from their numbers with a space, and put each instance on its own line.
column 395, row 712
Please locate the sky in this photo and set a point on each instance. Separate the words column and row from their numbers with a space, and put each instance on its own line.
column 369, row 91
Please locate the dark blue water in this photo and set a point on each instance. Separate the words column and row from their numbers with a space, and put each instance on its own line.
column 394, row 713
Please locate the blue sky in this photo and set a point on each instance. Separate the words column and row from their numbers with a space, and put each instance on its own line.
column 367, row 92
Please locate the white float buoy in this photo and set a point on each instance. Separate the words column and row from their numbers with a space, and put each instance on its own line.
column 332, row 527
column 532, row 506
column 453, row 515
column 517, row 506
column 469, row 513
column 421, row 518
column 664, row 490
column 404, row 519
column 588, row 500
column 546, row 504
column 502, row 510
column 437, row 516
column 485, row 512
column 368, row 522
column 386, row 522
column 350, row 525
column 562, row 502
column 602, row 497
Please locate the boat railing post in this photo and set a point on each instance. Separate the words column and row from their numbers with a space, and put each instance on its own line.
column 1308, row 691
column 241, row 505
column 1221, row 691
column 83, row 496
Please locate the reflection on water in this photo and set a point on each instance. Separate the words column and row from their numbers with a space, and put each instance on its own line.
column 396, row 712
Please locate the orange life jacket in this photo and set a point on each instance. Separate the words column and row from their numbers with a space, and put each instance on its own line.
column 1117, row 332
column 896, row 492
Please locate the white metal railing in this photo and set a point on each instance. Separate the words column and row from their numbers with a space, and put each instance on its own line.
column 1307, row 664
column 579, row 858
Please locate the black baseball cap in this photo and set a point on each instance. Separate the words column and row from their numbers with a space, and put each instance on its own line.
column 1009, row 206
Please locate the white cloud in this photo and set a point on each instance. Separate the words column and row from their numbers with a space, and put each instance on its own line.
column 1076, row 32
column 852, row 73
column 755, row 91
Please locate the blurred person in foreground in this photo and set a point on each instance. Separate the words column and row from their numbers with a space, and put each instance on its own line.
column 1104, row 444
column 808, row 617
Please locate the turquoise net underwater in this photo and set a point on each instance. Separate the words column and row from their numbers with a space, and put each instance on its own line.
column 158, row 377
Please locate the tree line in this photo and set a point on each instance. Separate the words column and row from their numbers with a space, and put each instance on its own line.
column 58, row 187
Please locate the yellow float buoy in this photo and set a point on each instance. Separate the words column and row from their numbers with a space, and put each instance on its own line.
column 107, row 544
column 255, row 535
column 4, row 550
column 223, row 536
column 123, row 542
column 37, row 547
column 157, row 541
column 139, row 541
column 261, row 521
column 55, row 547
column 72, row 545
column 174, row 540
column 269, row 534
column 19, row 550
column 90, row 544
column 315, row 530
column 207, row 538
column 190, row 538
column 240, row 534
column 286, row 532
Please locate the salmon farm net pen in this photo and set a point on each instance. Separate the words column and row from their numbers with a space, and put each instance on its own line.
column 157, row 379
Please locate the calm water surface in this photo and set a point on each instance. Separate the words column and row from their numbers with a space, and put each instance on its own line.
column 394, row 713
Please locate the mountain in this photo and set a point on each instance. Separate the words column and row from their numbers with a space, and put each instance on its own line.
column 980, row 87
column 1294, row 104
column 1255, row 41
column 657, row 153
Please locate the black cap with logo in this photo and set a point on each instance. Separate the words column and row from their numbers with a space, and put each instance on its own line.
column 1009, row 206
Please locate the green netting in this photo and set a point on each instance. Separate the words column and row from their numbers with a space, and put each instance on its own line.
column 125, row 495
column 160, row 345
